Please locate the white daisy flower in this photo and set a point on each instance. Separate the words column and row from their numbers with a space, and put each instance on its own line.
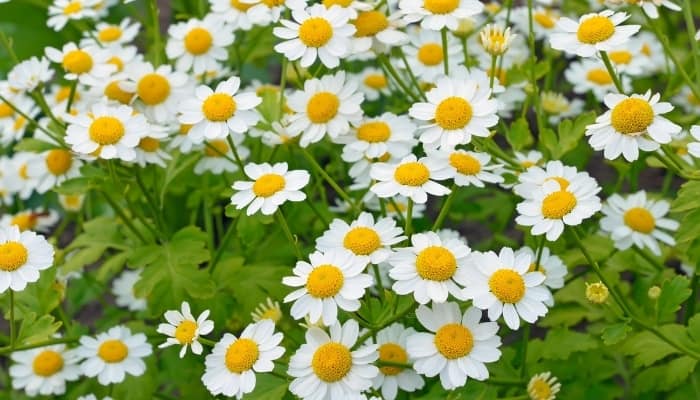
column 551, row 266
column 331, row 280
column 13, row 125
column 159, row 90
column 374, row 30
column 550, row 207
column 425, row 56
column 411, row 177
column 326, row 367
column 326, row 105
column 22, row 256
column 374, row 137
column 544, row 20
column 231, row 367
column 638, row 221
column 535, row 176
column 457, row 346
column 123, row 291
column 51, row 168
column 199, row 44
column 628, row 60
column 218, row 156
column 86, row 64
column 38, row 220
column 213, row 114
column 354, row 6
column 650, row 7
column 373, row 83
column 235, row 13
column 270, row 187
column 392, row 211
column 456, row 110
column 71, row 202
column 109, row 35
column 558, row 107
column 316, row 32
column 592, row 33
column 543, row 386
column 29, row 74
column 111, row 355
column 363, row 237
column 631, row 123
column 184, row 330
column 437, row 14
column 62, row 11
column 469, row 168
column 106, row 131
column 496, row 39
column 110, row 90
column 392, row 348
column 182, row 142
column 264, row 12
column 431, row 269
column 588, row 75
column 150, row 151
column 694, row 147
column 44, row 370
column 270, row 309
column 501, row 284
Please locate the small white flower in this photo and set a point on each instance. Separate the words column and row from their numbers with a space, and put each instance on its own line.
column 38, row 220
column 44, row 370
column 551, row 266
column 501, row 284
column 373, row 83
column 184, row 330
column 235, row 13
column 469, row 168
column 557, row 106
column 588, row 75
column 62, row 11
column 199, row 44
column 425, row 55
column 111, row 355
column 123, row 291
column 51, row 168
column 29, row 74
column 535, row 176
column 638, row 221
column 392, row 342
column 112, row 35
column 271, row 186
column 22, row 256
column 592, row 33
column 650, row 7
column 495, row 39
column 543, row 386
column 158, row 90
column 88, row 64
column 333, row 279
column 374, row 30
column 437, row 14
column 378, row 136
column 457, row 346
column 411, row 178
column 218, row 156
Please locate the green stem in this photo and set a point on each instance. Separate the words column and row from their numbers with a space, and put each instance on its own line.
column 343, row 195
column 12, row 319
column 445, row 61
column 533, row 75
column 409, row 218
column 155, row 26
column 445, row 209
column 239, row 162
column 690, row 303
column 649, row 259
column 523, row 351
column 9, row 349
column 611, row 71
column 8, row 47
column 71, row 95
column 206, row 341
column 219, row 152
column 540, row 250
column 380, row 363
column 690, row 27
column 31, row 121
column 283, row 83
column 465, row 52
column 411, row 75
column 206, row 214
column 290, row 237
column 398, row 317
column 492, row 73
column 378, row 278
column 397, row 78
column 222, row 245
column 150, row 200
column 127, row 221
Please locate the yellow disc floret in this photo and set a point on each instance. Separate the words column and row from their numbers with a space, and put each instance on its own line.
column 369, row 23
column 241, row 355
column 595, row 30
column 216, row 148
column 632, row 116
column 412, row 174
column 219, row 107
column 392, row 352
column 198, row 41
column 77, row 62
column 430, row 54
column 186, row 331
column 13, row 255
column 47, row 363
column 507, row 285
column 325, row 281
column 268, row 184
column 106, row 130
column 58, row 161
column 453, row 113
column 375, row 81
column 331, row 362
column 440, row 6
column 153, row 89
column 322, row 107
column 315, row 32
column 558, row 204
column 436, row 263
column 465, row 163
column 640, row 219
column 362, row 240
column 454, row 341
column 109, row 34
column 374, row 132
column 149, row 144
column 112, row 351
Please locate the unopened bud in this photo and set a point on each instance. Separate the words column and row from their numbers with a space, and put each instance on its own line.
column 597, row 293
column 654, row 292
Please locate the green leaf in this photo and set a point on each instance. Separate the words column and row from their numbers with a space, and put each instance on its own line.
column 664, row 377
column 570, row 132
column 252, row 283
column 647, row 349
column 673, row 293
column 34, row 145
column 688, row 197
column 519, row 135
column 549, row 140
column 78, row 185
column 561, row 343
column 613, row 334
column 694, row 327
column 172, row 270
column 35, row 330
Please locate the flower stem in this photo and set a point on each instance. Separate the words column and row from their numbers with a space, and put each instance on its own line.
column 445, row 209
column 648, row 258
column 611, row 71
column 12, row 319
column 540, row 250
column 290, row 237
column 492, row 73
column 690, row 27
column 378, row 278
column 409, row 218
column 397, row 78
column 445, row 61
column 283, row 83
column 31, row 121
column 229, row 138
column 71, row 95
column 206, row 341
column 523, row 351
column 411, row 75
column 120, row 213
column 222, row 245
column 155, row 26
column 343, row 195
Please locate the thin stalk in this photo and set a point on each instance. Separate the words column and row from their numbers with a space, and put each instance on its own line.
column 219, row 152
column 222, row 245
column 378, row 278
column 285, row 227
column 206, row 214
column 492, row 73
column 690, row 27
column 397, row 78
column 127, row 221
column 648, row 258
column 71, row 95
column 690, row 303
column 445, row 61
column 445, row 209
column 229, row 138
column 283, row 83
column 12, row 319
column 206, row 342
column 540, row 250
column 465, row 52
column 398, row 317
column 8, row 47
column 343, row 195
column 533, row 60
column 155, row 26
column 523, row 351
column 409, row 218
column 611, row 71
column 411, row 75
column 9, row 349
column 31, row 121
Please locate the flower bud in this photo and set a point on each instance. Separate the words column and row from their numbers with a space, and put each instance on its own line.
column 654, row 292
column 597, row 293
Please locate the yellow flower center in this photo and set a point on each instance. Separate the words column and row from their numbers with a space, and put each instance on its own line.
column 241, row 6
column 369, row 23
column 453, row 113
column 241, row 355
column 24, row 221
column 599, row 76
column 540, row 390
column 58, row 161
column 149, row 144
column 72, row 8
column 185, row 331
column 558, row 204
column 682, row 151
column 342, row 3
column 273, row 3
column 620, row 56
column 375, row 81
column 362, row 241
column 527, row 164
column 5, row 110
column 19, row 123
column 692, row 99
column 268, row 184
column 501, row 75
column 220, row 147
column 507, row 285
column 198, row 41
column 454, row 341
column 47, row 363
column 374, row 132
column 597, row 292
column 325, row 281
column 595, row 30
column 110, row 34
column 153, row 89
column 23, row 171
column 392, row 352
column 72, row 201
column 106, row 130
column 436, row 263
column 465, row 164
column 331, row 362
column 62, row 94
column 13, row 255
column 646, row 50
column 219, row 107
column 563, row 182
column 430, row 54
column 640, row 219
column 315, row 32
column 114, row 92
column 185, row 128
column 117, row 62
column 112, row 351
column 632, row 116
column 412, row 174
column 440, row 6
column 544, row 19
column 322, row 107
column 77, row 62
